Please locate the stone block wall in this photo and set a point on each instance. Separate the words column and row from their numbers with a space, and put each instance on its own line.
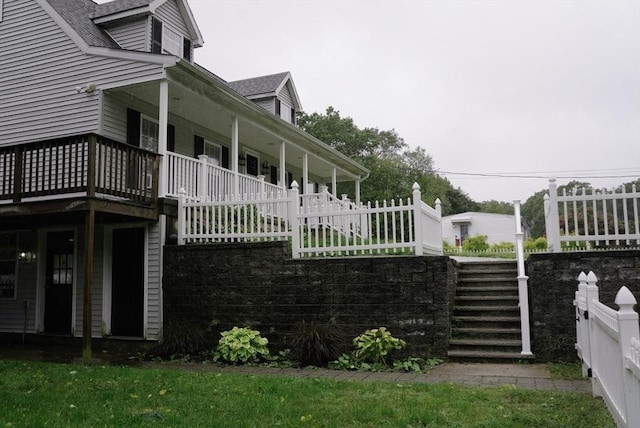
column 552, row 286
column 260, row 286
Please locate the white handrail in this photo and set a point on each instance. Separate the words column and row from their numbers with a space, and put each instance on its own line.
column 523, row 293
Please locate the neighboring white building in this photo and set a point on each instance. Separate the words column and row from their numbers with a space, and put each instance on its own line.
column 497, row 227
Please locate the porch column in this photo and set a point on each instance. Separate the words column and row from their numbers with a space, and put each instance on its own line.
column 334, row 182
column 305, row 173
column 163, row 122
column 357, row 191
column 234, row 155
column 283, row 172
column 89, row 224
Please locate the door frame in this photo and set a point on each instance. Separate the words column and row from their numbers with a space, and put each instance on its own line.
column 107, row 277
column 43, row 246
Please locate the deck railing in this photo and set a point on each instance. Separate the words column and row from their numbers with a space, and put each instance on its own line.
column 608, row 344
column 591, row 220
column 89, row 165
column 315, row 224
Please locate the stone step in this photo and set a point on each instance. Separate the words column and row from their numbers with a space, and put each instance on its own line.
column 480, row 332
column 483, row 356
column 485, row 299
column 488, row 279
column 486, row 311
column 485, row 321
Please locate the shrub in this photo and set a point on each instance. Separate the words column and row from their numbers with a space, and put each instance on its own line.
column 374, row 345
column 503, row 246
column 531, row 244
column 181, row 338
column 476, row 243
column 241, row 345
column 315, row 344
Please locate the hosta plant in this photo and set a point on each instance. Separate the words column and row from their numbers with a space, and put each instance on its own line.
column 375, row 344
column 241, row 345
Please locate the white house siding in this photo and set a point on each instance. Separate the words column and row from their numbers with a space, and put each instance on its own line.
column 41, row 68
column 131, row 35
column 285, row 96
column 497, row 227
column 155, row 238
column 169, row 14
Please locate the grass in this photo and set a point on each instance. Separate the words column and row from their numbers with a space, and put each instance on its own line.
column 566, row 371
column 61, row 395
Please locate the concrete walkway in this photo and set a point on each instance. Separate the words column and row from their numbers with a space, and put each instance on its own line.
column 530, row 376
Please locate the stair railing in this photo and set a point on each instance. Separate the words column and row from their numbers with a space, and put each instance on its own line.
column 523, row 294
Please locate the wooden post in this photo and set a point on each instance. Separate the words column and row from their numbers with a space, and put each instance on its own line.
column 90, row 219
column 551, row 217
column 91, row 167
column 17, row 174
column 523, row 292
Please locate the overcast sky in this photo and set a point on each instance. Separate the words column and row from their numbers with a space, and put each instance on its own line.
column 544, row 88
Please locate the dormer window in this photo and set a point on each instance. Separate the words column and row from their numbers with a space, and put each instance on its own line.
column 165, row 40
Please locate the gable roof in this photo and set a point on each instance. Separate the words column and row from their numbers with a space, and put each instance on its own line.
column 266, row 86
column 77, row 15
column 118, row 6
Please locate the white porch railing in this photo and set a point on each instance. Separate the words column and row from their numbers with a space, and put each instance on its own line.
column 591, row 220
column 608, row 343
column 198, row 178
column 317, row 225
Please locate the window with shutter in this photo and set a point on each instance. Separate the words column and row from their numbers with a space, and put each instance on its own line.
column 156, row 36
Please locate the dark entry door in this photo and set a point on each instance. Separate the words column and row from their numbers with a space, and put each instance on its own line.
column 127, row 282
column 58, row 288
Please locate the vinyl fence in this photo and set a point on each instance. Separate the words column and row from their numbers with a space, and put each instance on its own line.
column 608, row 343
column 318, row 225
column 583, row 219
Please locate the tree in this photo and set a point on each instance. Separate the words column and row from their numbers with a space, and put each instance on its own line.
column 393, row 166
column 496, row 207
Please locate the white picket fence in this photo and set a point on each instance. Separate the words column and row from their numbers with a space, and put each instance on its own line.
column 608, row 343
column 591, row 220
column 316, row 224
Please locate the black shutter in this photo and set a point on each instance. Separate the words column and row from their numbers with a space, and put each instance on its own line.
column 171, row 138
column 156, row 36
column 273, row 175
column 293, row 115
column 186, row 49
column 198, row 145
column 225, row 157
column 133, row 127
column 277, row 107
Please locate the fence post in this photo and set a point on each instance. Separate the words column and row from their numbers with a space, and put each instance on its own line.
column 181, row 215
column 551, row 217
column 294, row 222
column 417, row 219
column 628, row 329
column 203, row 183
column 523, row 292
column 583, row 338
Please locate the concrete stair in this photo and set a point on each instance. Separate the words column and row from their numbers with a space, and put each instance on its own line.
column 486, row 315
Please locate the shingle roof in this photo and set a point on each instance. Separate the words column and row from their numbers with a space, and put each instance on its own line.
column 77, row 13
column 258, row 85
column 116, row 6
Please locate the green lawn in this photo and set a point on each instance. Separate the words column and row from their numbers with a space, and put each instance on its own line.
column 60, row 395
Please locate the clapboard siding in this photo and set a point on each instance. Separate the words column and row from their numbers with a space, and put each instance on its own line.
column 285, row 96
column 154, row 280
column 131, row 35
column 169, row 14
column 267, row 104
column 41, row 68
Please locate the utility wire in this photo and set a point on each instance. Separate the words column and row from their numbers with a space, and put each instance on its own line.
column 557, row 174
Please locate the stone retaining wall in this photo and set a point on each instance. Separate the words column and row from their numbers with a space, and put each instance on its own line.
column 260, row 286
column 552, row 286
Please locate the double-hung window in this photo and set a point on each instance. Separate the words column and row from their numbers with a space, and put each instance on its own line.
column 164, row 39
column 149, row 133
column 213, row 151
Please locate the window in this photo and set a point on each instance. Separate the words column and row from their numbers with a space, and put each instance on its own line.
column 149, row 134
column 213, row 151
column 172, row 42
column 164, row 39
column 464, row 232
column 8, row 262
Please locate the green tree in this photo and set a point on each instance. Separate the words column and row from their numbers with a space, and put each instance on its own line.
column 496, row 207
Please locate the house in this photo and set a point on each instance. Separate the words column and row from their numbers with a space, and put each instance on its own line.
column 496, row 227
column 105, row 117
